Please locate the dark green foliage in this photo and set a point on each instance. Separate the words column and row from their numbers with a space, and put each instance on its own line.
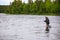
column 39, row 8
column 3, row 8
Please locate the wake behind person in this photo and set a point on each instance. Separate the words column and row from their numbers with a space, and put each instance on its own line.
column 47, row 23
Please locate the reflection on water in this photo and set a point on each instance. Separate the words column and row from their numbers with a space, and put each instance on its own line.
column 28, row 27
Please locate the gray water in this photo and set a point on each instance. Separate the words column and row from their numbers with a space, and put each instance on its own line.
column 28, row 27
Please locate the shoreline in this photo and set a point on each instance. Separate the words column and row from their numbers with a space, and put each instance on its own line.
column 28, row 14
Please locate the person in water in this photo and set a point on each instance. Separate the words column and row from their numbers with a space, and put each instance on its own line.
column 47, row 23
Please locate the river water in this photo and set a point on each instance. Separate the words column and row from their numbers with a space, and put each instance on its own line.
column 28, row 27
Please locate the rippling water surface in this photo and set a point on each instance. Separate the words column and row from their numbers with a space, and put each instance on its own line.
column 28, row 27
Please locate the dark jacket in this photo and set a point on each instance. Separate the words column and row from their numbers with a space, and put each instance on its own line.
column 47, row 20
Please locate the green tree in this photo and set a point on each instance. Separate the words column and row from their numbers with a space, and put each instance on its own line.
column 33, row 8
column 15, row 7
column 48, row 6
column 25, row 8
column 42, row 8
column 54, row 7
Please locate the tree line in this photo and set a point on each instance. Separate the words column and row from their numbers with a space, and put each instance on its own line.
column 3, row 8
column 37, row 8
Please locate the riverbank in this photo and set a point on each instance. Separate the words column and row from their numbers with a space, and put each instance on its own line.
column 32, row 14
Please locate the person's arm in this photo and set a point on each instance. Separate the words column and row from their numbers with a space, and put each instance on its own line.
column 44, row 20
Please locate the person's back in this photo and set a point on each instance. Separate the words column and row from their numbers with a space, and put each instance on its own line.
column 47, row 21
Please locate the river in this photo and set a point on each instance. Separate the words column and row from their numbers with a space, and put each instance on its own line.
column 28, row 27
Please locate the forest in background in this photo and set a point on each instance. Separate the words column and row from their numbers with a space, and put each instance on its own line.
column 34, row 8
